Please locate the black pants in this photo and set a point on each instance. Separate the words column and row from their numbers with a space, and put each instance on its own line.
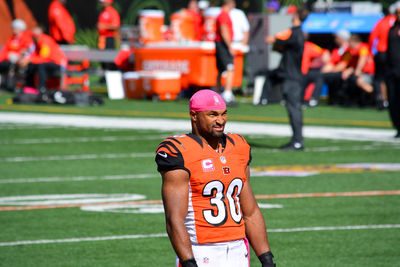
column 292, row 94
column 43, row 70
column 393, row 85
column 313, row 76
column 380, row 72
column 4, row 66
column 110, row 44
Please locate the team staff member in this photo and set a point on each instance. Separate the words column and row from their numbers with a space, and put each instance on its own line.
column 46, row 58
column 209, row 205
column 107, row 25
column 16, row 47
column 61, row 24
column 314, row 57
column 378, row 45
column 332, row 71
column 224, row 51
column 359, row 62
column 393, row 78
column 291, row 44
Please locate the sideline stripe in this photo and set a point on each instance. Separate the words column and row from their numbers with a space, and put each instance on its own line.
column 80, row 139
column 331, row 194
column 142, row 236
column 78, row 178
column 335, row 133
column 76, row 157
column 136, row 113
column 276, row 196
column 144, row 155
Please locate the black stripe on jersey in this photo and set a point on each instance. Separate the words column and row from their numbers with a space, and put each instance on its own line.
column 166, row 162
column 167, row 144
column 244, row 140
column 230, row 139
column 196, row 138
column 250, row 157
column 176, row 140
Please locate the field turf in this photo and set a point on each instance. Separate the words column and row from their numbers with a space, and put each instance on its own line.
column 51, row 163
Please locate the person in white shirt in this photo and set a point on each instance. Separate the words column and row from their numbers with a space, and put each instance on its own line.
column 241, row 26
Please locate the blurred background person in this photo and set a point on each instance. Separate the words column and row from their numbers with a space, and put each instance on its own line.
column 393, row 71
column 378, row 45
column 194, row 10
column 61, row 24
column 332, row 71
column 108, row 25
column 314, row 58
column 359, row 70
column 291, row 44
column 241, row 26
column 224, row 51
column 14, row 9
column 16, row 47
column 47, row 58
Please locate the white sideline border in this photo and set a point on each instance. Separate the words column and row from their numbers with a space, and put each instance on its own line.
column 322, row 132
column 142, row 236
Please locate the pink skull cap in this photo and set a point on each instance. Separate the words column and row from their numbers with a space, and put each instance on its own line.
column 206, row 100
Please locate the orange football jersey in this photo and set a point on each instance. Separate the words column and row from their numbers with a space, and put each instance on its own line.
column 216, row 180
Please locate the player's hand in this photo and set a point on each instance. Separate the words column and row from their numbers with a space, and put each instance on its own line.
column 346, row 73
column 270, row 39
column 231, row 51
column 267, row 259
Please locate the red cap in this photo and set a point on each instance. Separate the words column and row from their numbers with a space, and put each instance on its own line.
column 107, row 1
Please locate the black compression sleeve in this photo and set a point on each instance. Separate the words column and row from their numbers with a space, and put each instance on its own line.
column 189, row 263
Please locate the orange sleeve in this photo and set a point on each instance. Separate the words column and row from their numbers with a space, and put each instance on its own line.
column 284, row 35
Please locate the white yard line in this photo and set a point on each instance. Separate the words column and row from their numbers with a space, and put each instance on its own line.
column 335, row 133
column 142, row 236
column 81, row 139
column 78, row 157
column 78, row 178
column 255, row 150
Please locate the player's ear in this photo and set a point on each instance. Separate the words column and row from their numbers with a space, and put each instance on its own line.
column 193, row 115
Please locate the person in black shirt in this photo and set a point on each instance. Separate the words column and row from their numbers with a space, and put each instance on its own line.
column 291, row 44
column 393, row 77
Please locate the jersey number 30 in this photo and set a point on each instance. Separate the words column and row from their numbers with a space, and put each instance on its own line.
column 216, row 190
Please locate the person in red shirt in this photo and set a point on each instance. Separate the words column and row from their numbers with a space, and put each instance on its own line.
column 46, row 58
column 378, row 39
column 314, row 57
column 332, row 71
column 358, row 72
column 61, row 24
column 193, row 10
column 107, row 25
column 224, row 52
column 14, row 50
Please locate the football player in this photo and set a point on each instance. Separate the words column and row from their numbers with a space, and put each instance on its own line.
column 210, row 209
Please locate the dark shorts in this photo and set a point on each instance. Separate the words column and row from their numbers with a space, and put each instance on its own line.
column 224, row 58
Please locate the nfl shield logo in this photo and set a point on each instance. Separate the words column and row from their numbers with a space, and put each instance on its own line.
column 206, row 260
column 223, row 159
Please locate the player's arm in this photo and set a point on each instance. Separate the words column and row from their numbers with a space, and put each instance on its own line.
column 226, row 36
column 175, row 195
column 255, row 225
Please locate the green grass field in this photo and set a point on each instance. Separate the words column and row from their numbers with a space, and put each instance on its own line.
column 52, row 172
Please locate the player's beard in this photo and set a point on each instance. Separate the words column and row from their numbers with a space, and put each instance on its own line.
column 217, row 134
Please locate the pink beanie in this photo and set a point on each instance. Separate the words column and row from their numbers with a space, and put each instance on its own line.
column 206, row 100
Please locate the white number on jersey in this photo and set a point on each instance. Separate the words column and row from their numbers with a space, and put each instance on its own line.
column 217, row 187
